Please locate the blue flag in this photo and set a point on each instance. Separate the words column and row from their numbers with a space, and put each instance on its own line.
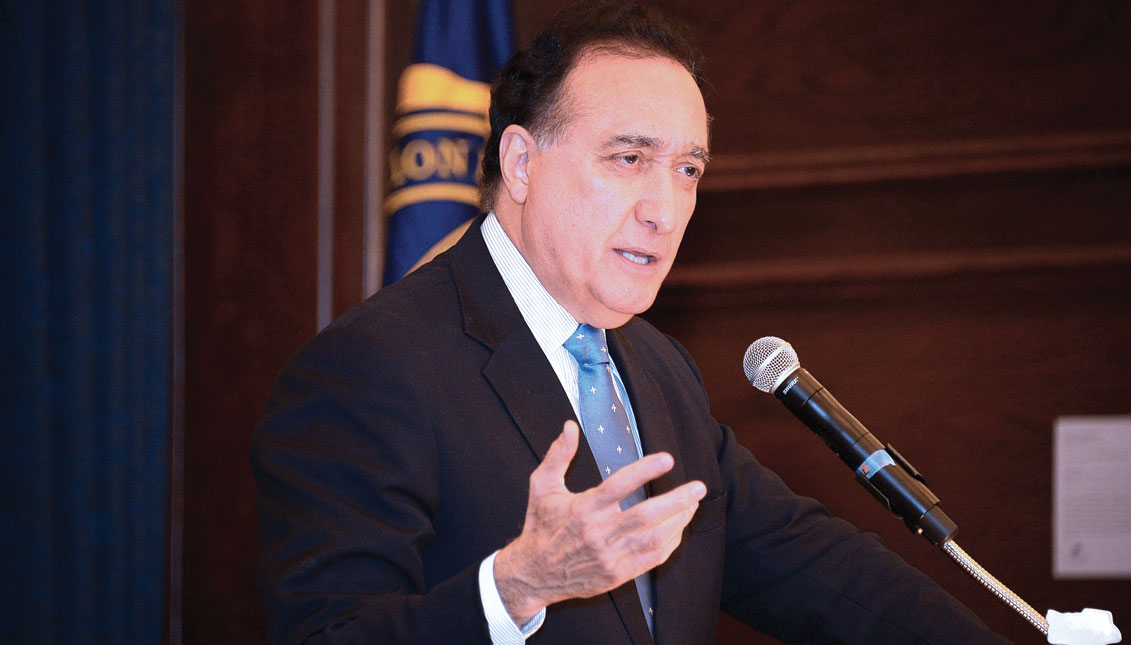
column 441, row 125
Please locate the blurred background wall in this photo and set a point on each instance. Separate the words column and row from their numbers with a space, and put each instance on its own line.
column 930, row 202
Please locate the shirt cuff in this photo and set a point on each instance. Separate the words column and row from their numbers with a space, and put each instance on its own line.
column 503, row 629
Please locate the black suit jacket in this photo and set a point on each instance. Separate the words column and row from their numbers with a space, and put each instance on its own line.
column 395, row 456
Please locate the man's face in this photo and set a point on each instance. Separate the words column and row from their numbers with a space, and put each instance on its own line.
column 610, row 198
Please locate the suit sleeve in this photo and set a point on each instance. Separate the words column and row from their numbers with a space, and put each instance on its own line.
column 348, row 490
column 797, row 573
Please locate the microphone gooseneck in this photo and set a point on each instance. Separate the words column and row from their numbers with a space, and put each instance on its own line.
column 771, row 365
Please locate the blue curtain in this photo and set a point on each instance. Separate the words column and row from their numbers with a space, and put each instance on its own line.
column 87, row 257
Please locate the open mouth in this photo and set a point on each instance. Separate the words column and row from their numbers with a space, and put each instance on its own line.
column 638, row 259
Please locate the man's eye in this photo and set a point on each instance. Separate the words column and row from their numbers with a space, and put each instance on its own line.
column 691, row 171
column 631, row 159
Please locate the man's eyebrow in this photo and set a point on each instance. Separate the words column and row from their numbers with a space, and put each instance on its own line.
column 701, row 154
column 638, row 140
column 644, row 141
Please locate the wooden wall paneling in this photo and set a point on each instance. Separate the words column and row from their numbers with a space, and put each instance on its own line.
column 351, row 36
column 918, row 160
column 251, row 110
column 812, row 76
column 894, row 227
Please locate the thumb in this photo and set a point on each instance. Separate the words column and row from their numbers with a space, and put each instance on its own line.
column 550, row 474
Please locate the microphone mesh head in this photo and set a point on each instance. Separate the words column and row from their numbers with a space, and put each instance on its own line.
column 768, row 360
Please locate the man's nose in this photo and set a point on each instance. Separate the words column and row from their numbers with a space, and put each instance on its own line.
column 658, row 206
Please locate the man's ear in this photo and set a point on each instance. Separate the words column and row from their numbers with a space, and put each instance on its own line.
column 515, row 148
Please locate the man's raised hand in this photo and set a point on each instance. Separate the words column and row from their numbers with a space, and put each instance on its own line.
column 577, row 545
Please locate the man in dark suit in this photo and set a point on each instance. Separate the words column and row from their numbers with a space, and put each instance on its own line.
column 417, row 483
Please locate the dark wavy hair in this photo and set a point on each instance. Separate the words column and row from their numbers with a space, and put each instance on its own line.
column 527, row 91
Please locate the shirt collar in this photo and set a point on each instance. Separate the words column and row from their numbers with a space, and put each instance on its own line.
column 550, row 323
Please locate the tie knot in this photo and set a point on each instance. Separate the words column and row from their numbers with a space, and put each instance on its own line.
column 587, row 345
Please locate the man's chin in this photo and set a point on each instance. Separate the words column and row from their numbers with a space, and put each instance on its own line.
column 621, row 313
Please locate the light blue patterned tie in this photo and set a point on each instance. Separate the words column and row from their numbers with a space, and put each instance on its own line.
column 605, row 424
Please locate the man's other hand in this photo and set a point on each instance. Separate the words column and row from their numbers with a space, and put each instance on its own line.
column 580, row 545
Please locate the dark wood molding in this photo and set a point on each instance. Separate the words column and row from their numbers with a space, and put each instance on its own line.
column 922, row 160
column 895, row 267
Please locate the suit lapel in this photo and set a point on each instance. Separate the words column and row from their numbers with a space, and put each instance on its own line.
column 531, row 392
column 517, row 369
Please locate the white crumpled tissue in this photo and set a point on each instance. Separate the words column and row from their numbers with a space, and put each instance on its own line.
column 1088, row 627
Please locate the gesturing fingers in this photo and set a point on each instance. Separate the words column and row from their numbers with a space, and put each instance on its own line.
column 624, row 544
column 649, row 546
column 621, row 483
column 661, row 515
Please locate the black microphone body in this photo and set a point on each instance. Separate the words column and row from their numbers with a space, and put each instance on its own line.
column 880, row 469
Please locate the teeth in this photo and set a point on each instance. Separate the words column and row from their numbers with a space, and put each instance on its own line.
column 635, row 258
